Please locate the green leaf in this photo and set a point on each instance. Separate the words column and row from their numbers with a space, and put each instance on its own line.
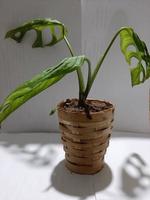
column 38, row 25
column 39, row 83
column 140, row 72
column 52, row 111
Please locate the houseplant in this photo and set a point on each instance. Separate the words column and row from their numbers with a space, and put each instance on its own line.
column 85, row 124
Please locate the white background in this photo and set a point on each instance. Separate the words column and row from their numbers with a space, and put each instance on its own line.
column 100, row 20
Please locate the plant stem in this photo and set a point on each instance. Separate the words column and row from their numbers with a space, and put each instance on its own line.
column 98, row 66
column 79, row 72
column 69, row 46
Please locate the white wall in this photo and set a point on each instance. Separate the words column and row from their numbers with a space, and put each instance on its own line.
column 100, row 20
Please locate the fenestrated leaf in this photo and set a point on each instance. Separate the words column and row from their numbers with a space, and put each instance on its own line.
column 39, row 25
column 141, row 71
column 39, row 83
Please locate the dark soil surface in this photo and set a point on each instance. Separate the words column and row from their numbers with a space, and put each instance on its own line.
column 91, row 105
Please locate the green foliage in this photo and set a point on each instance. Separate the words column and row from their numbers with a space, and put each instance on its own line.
column 39, row 83
column 38, row 25
column 128, row 40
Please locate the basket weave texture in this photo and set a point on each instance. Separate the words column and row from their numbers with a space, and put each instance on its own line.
column 85, row 140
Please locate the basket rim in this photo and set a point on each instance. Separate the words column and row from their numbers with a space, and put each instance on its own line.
column 60, row 107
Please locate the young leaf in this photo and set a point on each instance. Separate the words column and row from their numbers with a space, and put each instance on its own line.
column 52, row 111
column 140, row 72
column 39, row 83
column 39, row 25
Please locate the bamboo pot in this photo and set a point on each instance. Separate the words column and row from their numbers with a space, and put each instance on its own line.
column 85, row 140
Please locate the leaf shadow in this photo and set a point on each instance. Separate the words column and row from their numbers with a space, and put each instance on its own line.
column 135, row 176
column 32, row 149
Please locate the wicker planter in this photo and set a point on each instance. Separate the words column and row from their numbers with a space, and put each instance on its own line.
column 85, row 140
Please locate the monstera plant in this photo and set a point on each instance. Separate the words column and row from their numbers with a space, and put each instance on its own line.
column 85, row 124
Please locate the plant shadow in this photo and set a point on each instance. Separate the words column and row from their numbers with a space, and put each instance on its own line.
column 82, row 186
column 33, row 149
column 135, row 176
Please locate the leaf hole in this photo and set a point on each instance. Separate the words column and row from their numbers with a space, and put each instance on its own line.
column 58, row 31
column 47, row 36
column 131, row 48
column 144, row 65
column 18, row 34
column 134, row 62
column 141, row 76
column 29, row 37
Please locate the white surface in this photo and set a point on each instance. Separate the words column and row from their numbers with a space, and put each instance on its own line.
column 32, row 167
column 100, row 21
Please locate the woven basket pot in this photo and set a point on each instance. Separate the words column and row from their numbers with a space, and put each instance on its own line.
column 85, row 140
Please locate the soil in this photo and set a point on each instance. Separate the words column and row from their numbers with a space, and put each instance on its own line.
column 90, row 106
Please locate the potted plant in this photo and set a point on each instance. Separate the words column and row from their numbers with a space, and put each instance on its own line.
column 85, row 123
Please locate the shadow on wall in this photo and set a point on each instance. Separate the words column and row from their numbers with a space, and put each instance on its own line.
column 135, row 176
column 71, row 184
column 35, row 150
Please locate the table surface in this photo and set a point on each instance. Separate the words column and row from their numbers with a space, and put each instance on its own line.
column 32, row 168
